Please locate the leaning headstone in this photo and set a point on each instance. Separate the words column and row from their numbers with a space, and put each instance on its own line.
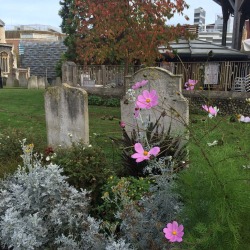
column 173, row 106
column 41, row 82
column 67, row 118
column 23, row 81
column 32, row 82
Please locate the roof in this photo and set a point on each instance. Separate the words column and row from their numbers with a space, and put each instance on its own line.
column 2, row 23
column 230, row 5
column 202, row 50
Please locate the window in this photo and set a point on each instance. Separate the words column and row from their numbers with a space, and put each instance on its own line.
column 4, row 62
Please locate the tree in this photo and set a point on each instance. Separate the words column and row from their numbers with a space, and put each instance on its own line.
column 125, row 30
column 69, row 27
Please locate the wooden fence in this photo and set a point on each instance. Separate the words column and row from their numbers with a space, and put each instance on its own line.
column 103, row 74
column 219, row 75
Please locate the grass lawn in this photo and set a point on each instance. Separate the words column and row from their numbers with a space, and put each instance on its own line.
column 24, row 109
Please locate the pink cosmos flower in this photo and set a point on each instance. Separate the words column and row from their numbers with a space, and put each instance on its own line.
column 142, row 154
column 243, row 118
column 147, row 100
column 212, row 111
column 173, row 232
column 139, row 84
column 189, row 85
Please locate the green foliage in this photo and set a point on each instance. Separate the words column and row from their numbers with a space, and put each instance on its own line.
column 170, row 149
column 39, row 210
column 133, row 187
column 10, row 150
column 102, row 101
column 85, row 166
column 215, row 188
column 143, row 221
column 69, row 27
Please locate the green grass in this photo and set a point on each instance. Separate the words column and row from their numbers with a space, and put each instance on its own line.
column 24, row 109
column 233, row 146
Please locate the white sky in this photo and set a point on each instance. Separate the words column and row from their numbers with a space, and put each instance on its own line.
column 45, row 12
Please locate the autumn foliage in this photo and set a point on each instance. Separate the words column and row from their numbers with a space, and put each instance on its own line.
column 116, row 31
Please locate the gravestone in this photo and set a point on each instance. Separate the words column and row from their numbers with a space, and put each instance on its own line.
column 32, row 82
column 58, row 81
column 23, row 81
column 41, row 82
column 171, row 101
column 70, row 73
column 11, row 78
column 67, row 118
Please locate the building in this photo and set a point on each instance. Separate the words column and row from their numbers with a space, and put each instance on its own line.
column 200, row 18
column 240, row 9
column 7, row 58
column 37, row 47
column 31, row 33
column 213, row 32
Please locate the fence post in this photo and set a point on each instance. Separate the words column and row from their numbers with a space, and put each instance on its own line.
column 103, row 75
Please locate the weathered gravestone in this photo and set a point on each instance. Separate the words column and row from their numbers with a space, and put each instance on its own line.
column 58, row 81
column 32, row 82
column 70, row 73
column 41, row 82
column 23, row 81
column 67, row 118
column 12, row 81
column 171, row 102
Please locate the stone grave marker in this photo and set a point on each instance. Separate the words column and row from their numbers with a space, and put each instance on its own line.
column 58, row 81
column 171, row 101
column 23, row 81
column 11, row 79
column 67, row 118
column 41, row 82
column 32, row 82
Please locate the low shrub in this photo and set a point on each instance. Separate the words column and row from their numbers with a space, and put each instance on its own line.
column 135, row 190
column 103, row 101
column 10, row 149
column 172, row 151
column 85, row 166
column 39, row 210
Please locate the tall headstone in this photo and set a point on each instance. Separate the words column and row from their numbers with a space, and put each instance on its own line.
column 67, row 118
column 172, row 104
column 41, row 82
column 11, row 78
column 32, row 82
column 70, row 73
column 23, row 81
column 58, row 81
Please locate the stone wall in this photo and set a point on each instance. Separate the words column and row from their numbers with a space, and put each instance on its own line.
column 228, row 102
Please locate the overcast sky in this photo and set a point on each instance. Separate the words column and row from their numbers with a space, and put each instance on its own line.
column 45, row 12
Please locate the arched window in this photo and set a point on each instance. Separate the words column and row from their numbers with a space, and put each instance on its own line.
column 4, row 62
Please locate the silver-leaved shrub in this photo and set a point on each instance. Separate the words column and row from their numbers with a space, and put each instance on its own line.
column 39, row 210
column 143, row 222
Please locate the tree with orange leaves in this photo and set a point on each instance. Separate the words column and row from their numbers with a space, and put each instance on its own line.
column 124, row 30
